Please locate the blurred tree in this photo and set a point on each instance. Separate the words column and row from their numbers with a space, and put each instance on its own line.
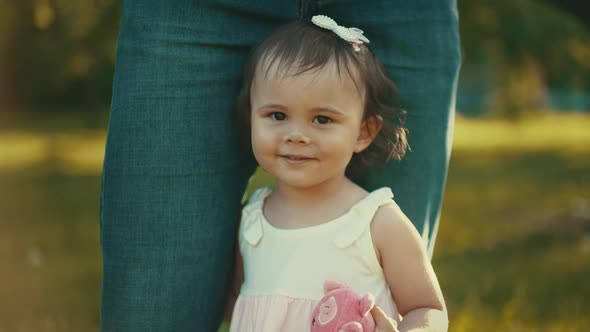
column 57, row 53
column 529, row 47
column 577, row 8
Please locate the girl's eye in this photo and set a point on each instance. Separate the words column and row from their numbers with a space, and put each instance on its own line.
column 321, row 119
column 278, row 116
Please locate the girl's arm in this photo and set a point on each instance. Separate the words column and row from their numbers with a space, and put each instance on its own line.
column 408, row 271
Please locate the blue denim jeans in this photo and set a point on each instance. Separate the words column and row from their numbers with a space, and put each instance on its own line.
column 173, row 174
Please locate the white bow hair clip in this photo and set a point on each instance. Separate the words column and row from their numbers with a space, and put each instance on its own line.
column 352, row 35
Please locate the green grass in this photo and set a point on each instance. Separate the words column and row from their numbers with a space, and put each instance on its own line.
column 513, row 251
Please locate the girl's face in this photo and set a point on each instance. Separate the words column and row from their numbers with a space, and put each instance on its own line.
column 305, row 128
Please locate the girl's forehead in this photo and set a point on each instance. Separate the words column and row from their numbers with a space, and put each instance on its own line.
column 273, row 70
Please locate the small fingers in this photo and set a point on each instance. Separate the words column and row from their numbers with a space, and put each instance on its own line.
column 383, row 322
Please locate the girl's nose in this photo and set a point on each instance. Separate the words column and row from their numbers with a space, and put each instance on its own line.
column 296, row 136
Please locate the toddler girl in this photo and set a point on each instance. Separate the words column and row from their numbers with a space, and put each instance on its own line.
column 318, row 110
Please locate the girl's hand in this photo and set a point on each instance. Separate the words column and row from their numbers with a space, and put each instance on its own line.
column 383, row 323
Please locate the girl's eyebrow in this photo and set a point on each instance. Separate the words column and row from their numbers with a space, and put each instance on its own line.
column 279, row 106
column 328, row 109
column 315, row 109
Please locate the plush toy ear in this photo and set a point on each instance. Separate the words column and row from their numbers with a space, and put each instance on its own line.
column 366, row 303
column 330, row 285
column 351, row 327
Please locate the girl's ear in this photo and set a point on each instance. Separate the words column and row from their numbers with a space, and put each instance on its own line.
column 369, row 130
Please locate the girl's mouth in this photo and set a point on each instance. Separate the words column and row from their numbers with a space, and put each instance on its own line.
column 296, row 159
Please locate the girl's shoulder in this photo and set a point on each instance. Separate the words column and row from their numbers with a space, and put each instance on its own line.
column 389, row 220
column 392, row 231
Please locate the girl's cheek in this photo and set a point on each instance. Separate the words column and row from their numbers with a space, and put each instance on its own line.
column 261, row 134
column 262, row 142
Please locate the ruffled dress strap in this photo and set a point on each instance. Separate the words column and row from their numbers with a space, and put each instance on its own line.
column 361, row 215
column 251, row 222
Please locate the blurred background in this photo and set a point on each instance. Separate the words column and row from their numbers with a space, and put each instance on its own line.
column 513, row 251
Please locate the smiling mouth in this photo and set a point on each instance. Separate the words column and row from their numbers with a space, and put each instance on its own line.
column 296, row 158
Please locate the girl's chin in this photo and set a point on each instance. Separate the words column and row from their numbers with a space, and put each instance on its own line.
column 305, row 182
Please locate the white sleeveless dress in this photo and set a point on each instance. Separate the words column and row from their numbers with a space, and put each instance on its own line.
column 285, row 269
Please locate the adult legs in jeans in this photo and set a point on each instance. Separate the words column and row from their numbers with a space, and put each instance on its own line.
column 173, row 174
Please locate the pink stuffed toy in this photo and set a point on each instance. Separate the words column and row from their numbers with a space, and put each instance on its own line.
column 342, row 310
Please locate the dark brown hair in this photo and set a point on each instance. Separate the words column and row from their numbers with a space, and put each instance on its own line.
column 301, row 47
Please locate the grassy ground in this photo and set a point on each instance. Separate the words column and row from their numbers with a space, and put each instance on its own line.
column 513, row 251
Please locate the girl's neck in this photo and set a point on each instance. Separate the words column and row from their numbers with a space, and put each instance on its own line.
column 302, row 198
column 296, row 207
